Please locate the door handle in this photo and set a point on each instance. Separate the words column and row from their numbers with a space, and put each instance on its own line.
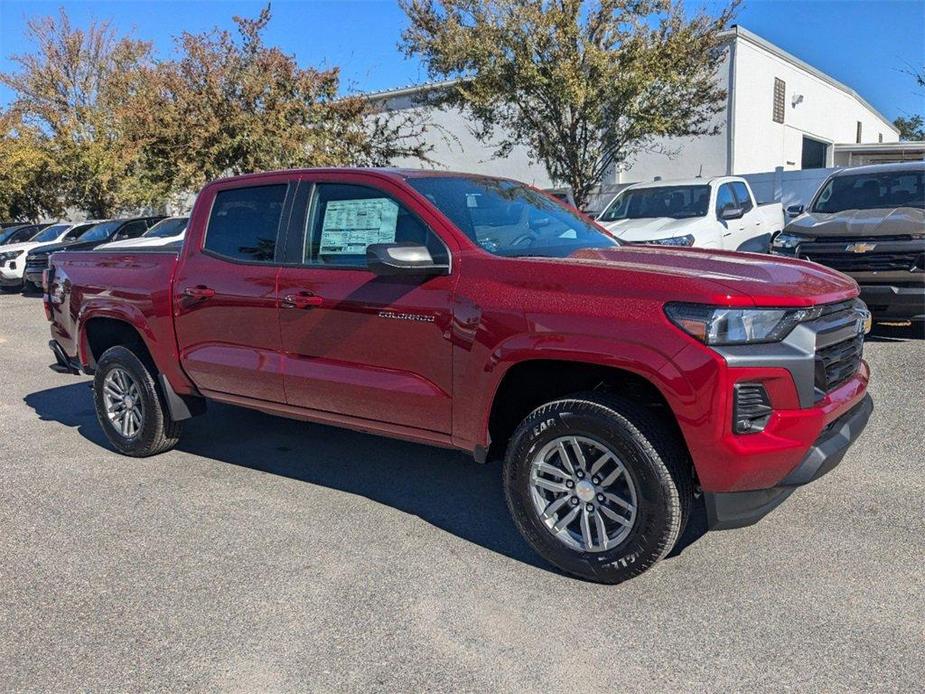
column 199, row 292
column 302, row 300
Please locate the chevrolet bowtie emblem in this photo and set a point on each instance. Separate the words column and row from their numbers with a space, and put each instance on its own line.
column 860, row 247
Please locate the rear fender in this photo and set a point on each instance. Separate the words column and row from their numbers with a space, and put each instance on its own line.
column 162, row 348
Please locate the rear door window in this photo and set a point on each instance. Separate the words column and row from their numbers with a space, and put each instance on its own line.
column 742, row 196
column 244, row 223
column 133, row 229
column 724, row 198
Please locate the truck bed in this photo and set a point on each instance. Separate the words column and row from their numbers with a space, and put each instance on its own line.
column 129, row 284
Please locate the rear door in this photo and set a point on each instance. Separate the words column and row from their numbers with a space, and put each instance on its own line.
column 355, row 343
column 226, row 317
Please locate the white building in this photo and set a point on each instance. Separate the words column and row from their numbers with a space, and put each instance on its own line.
column 780, row 112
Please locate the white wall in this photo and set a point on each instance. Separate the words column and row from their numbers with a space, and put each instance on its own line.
column 457, row 149
column 826, row 113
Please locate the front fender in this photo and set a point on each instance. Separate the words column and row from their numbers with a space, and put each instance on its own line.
column 644, row 359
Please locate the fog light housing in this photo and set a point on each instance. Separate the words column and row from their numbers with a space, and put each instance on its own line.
column 751, row 408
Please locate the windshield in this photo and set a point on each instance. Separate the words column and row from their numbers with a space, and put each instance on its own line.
column 676, row 202
column 166, row 227
column 872, row 191
column 21, row 234
column 50, row 233
column 510, row 219
column 100, row 232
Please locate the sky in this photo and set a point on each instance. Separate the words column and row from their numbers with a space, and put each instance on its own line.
column 866, row 44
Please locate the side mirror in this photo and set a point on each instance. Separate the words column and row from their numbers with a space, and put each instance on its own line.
column 402, row 259
column 731, row 213
column 794, row 211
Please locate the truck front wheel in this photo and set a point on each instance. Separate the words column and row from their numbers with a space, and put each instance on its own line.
column 129, row 408
column 597, row 486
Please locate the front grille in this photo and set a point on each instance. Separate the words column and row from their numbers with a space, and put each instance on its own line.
column 839, row 307
column 36, row 262
column 866, row 262
column 837, row 363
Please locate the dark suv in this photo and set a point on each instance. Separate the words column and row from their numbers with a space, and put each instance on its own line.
column 868, row 222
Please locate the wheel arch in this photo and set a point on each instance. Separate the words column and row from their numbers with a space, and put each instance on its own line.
column 529, row 383
column 102, row 332
column 99, row 332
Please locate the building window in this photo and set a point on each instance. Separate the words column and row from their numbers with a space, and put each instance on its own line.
column 880, row 137
column 780, row 88
column 858, row 137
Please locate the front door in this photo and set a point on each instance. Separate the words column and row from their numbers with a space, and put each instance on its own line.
column 355, row 343
column 225, row 295
column 734, row 231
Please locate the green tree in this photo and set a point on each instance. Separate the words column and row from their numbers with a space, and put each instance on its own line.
column 911, row 128
column 583, row 84
column 229, row 104
column 71, row 87
column 29, row 174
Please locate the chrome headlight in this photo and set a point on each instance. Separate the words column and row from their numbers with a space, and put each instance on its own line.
column 788, row 240
column 687, row 240
column 715, row 325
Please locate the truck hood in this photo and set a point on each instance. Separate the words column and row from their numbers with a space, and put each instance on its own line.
column 701, row 275
column 24, row 246
column 70, row 246
column 860, row 223
column 651, row 228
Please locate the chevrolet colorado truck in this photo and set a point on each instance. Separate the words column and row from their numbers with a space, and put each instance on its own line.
column 717, row 212
column 617, row 382
column 868, row 222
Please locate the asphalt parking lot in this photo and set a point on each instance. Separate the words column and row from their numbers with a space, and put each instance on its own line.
column 267, row 554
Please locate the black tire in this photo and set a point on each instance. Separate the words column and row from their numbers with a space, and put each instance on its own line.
column 158, row 432
column 30, row 287
column 655, row 460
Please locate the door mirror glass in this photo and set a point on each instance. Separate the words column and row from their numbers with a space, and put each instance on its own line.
column 402, row 259
column 732, row 212
column 794, row 211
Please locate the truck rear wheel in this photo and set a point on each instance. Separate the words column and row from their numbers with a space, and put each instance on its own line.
column 597, row 486
column 129, row 408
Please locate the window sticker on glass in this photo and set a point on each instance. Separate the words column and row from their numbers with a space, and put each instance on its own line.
column 351, row 225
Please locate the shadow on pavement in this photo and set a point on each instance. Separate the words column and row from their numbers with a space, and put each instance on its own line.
column 444, row 488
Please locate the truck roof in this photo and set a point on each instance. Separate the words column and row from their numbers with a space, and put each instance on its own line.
column 389, row 172
column 685, row 182
column 882, row 168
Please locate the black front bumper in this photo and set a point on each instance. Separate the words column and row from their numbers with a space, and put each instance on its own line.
column 894, row 303
column 34, row 276
column 738, row 509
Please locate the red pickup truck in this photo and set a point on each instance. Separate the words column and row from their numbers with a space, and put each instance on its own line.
column 617, row 382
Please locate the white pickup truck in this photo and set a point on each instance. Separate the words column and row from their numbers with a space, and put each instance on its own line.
column 708, row 213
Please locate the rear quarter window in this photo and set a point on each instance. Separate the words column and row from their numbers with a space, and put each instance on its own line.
column 244, row 223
